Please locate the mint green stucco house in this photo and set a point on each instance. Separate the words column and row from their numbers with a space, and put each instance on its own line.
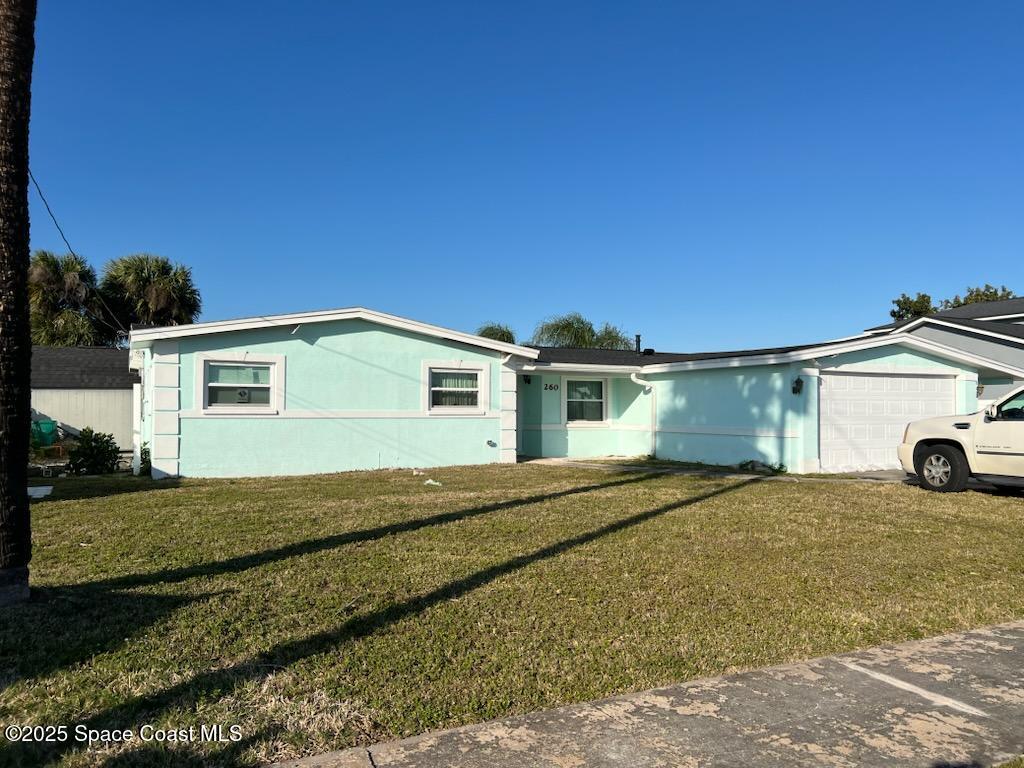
column 354, row 388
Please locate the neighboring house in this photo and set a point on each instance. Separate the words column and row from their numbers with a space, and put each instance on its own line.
column 358, row 389
column 82, row 387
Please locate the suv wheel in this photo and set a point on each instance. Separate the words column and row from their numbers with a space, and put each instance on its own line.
column 942, row 468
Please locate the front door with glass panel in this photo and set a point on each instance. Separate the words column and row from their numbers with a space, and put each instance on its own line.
column 999, row 441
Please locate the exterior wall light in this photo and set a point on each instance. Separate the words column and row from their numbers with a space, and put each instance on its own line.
column 526, row 378
column 798, row 385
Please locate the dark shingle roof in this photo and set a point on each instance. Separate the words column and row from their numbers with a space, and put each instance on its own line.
column 968, row 312
column 81, row 368
column 630, row 357
column 986, row 309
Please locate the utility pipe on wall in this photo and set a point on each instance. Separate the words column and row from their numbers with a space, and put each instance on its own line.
column 649, row 387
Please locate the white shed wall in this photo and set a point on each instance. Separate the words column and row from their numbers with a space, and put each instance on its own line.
column 105, row 410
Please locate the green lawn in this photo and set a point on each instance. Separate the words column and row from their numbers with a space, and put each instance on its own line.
column 323, row 612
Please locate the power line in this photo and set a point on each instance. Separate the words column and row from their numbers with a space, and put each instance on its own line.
column 71, row 250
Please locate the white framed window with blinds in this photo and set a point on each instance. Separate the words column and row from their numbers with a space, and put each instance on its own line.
column 455, row 388
column 235, row 385
column 586, row 401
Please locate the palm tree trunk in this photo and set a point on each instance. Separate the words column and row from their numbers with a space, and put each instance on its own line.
column 17, row 47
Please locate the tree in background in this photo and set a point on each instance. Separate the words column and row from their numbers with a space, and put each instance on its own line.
column 64, row 303
column 610, row 337
column 17, row 48
column 149, row 290
column 70, row 308
column 497, row 332
column 977, row 295
column 574, row 330
column 907, row 308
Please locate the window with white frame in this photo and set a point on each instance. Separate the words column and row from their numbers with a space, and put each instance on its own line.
column 238, row 385
column 584, row 400
column 454, row 389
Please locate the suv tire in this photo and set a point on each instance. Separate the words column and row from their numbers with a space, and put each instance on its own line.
column 942, row 468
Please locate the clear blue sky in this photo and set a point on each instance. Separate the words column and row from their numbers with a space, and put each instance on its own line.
column 714, row 175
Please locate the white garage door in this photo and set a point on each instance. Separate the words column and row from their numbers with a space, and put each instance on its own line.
column 863, row 416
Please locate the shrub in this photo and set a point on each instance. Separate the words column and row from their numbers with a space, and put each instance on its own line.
column 95, row 453
column 145, row 462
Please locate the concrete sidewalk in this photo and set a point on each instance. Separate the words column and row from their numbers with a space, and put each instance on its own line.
column 956, row 700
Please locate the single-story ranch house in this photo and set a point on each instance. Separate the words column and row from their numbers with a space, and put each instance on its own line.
column 356, row 389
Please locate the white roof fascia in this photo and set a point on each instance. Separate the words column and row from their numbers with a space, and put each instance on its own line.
column 831, row 349
column 967, row 328
column 144, row 336
column 578, row 368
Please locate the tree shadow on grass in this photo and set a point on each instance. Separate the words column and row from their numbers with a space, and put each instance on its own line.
column 221, row 682
column 66, row 625
column 256, row 559
column 76, row 488
column 63, row 626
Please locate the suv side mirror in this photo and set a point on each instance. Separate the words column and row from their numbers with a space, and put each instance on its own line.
column 992, row 411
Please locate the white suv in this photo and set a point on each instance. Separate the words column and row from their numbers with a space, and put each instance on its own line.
column 944, row 452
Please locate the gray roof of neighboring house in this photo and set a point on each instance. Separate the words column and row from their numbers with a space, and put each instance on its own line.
column 968, row 312
column 576, row 356
column 81, row 368
column 1006, row 329
column 986, row 309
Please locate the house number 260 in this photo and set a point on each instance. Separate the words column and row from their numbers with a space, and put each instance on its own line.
column 551, row 386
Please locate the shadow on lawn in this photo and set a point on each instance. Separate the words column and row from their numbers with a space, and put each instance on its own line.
column 256, row 559
column 75, row 488
column 66, row 625
column 216, row 684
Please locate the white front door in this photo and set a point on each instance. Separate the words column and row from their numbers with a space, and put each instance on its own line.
column 863, row 416
column 999, row 442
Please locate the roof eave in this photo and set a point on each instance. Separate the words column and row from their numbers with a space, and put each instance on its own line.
column 145, row 336
column 839, row 348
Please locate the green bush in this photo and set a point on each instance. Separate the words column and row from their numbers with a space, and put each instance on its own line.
column 145, row 462
column 95, row 453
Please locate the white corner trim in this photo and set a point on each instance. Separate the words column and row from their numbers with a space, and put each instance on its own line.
column 278, row 377
column 145, row 336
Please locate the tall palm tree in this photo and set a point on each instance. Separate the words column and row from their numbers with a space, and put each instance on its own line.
column 17, row 47
column 144, row 289
column 497, row 332
column 574, row 330
column 66, row 311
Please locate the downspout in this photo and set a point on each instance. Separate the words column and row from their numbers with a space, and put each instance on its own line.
column 649, row 387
